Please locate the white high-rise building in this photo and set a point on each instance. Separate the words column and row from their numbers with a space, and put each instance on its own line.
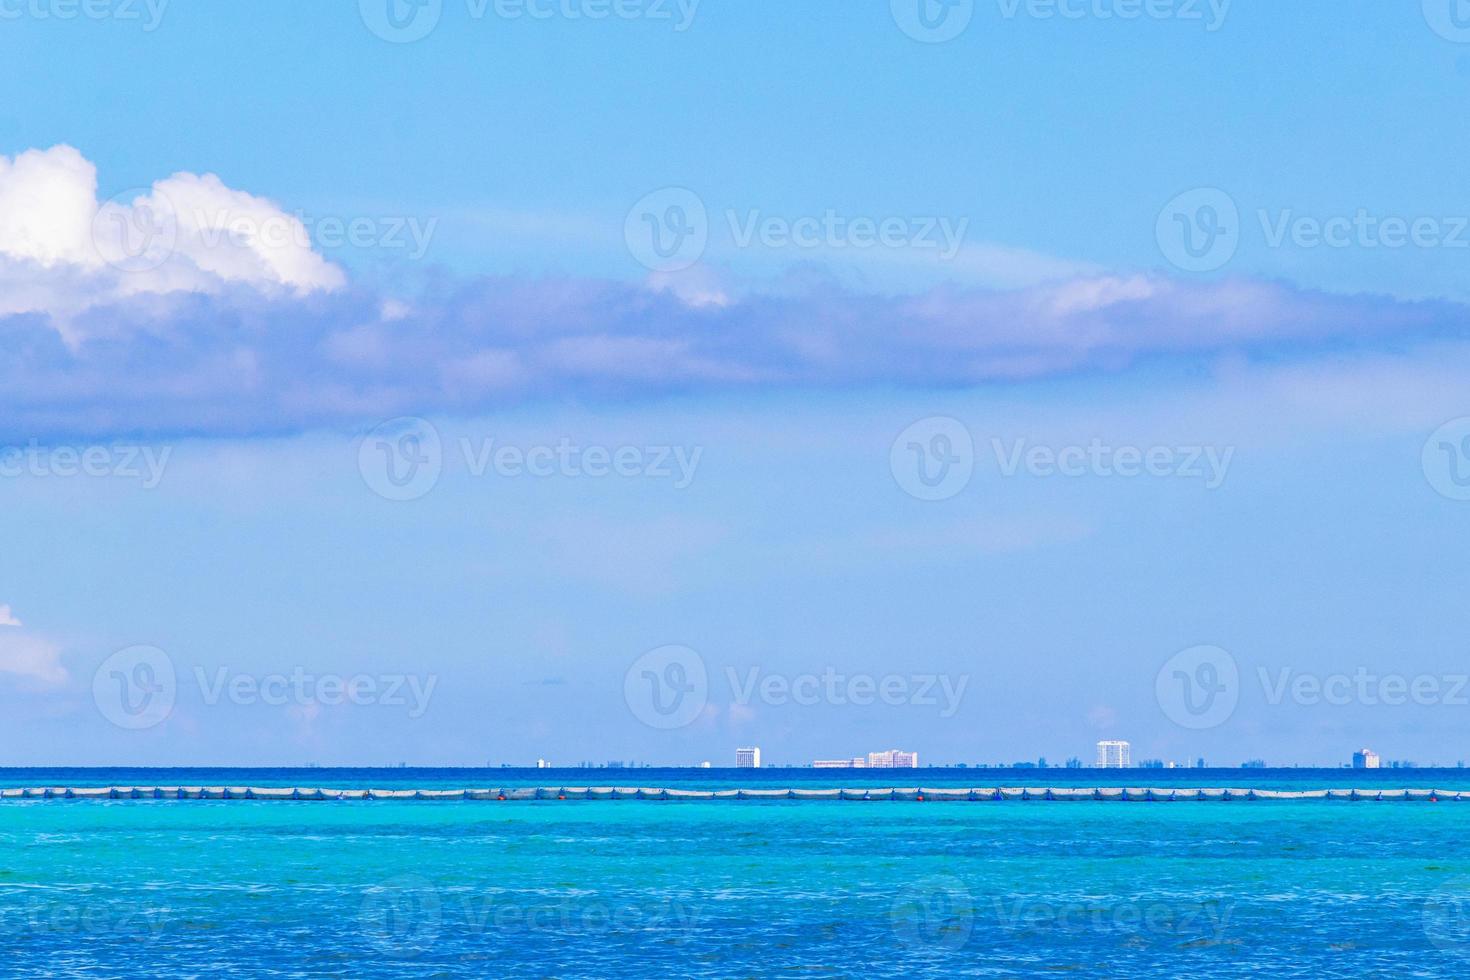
column 1113, row 754
column 893, row 759
column 1366, row 759
column 748, row 758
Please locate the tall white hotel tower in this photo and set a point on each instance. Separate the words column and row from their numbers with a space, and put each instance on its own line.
column 1114, row 755
column 748, row 758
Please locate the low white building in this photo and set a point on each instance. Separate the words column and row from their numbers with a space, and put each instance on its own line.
column 1114, row 754
column 748, row 758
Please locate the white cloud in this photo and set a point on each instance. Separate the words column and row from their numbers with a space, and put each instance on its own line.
column 62, row 251
column 220, row 318
column 31, row 658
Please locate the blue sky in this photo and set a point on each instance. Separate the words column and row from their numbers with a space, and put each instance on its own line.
column 452, row 230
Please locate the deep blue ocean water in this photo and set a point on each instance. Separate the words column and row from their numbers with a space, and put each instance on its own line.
column 725, row 889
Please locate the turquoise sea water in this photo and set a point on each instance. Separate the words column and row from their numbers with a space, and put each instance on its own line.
column 598, row 889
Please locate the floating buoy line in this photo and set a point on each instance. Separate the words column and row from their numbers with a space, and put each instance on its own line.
column 565, row 793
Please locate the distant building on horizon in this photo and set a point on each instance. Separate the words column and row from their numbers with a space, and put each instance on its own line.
column 542, row 764
column 1114, row 754
column 748, row 758
column 888, row 759
column 1366, row 759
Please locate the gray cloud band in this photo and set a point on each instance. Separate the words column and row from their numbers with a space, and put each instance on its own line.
column 256, row 362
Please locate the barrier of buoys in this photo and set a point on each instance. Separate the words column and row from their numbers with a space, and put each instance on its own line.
column 1128, row 794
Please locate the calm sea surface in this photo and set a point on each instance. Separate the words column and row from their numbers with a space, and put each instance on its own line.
column 725, row 889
